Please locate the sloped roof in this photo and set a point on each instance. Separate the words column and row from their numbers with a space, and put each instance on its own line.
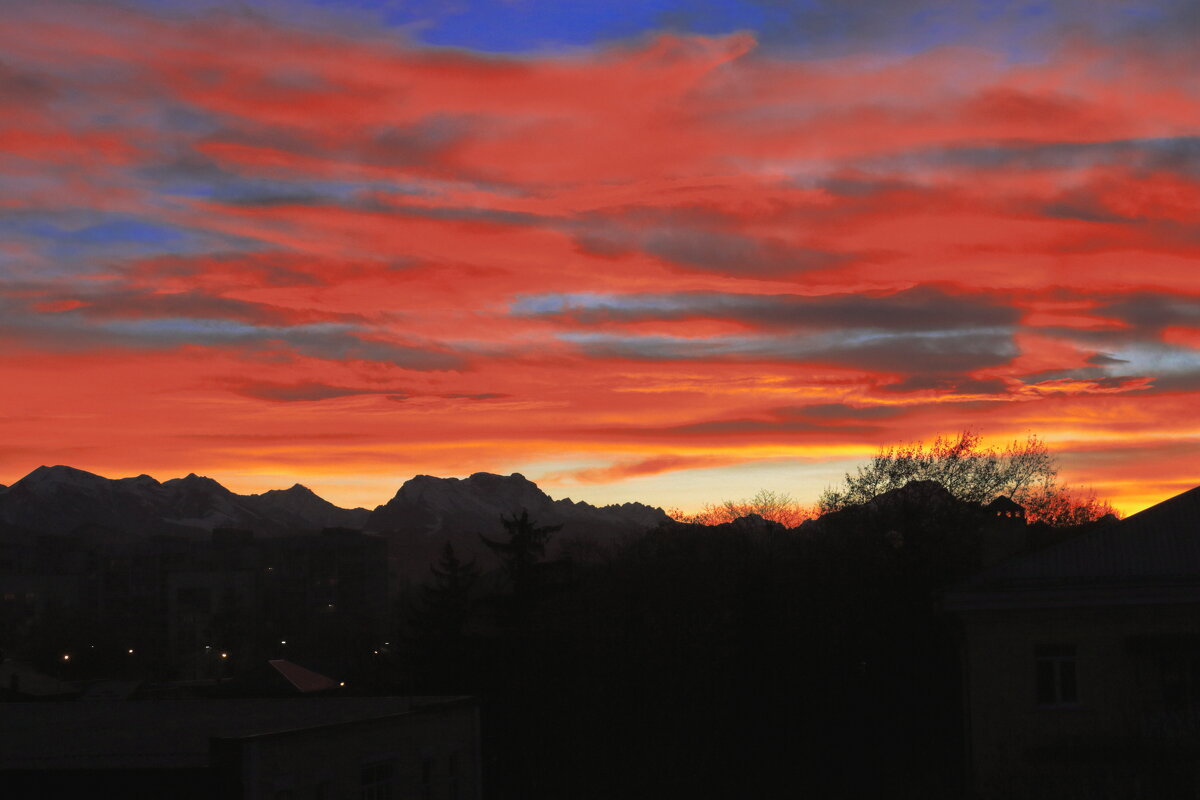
column 305, row 680
column 1004, row 503
column 1152, row 552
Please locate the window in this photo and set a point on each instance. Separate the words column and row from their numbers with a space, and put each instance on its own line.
column 377, row 780
column 1056, row 679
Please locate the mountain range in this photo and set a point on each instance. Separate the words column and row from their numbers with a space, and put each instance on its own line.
column 425, row 512
column 64, row 500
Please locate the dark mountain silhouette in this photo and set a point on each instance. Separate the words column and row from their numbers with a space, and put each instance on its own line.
column 201, row 502
column 427, row 512
column 303, row 503
column 64, row 500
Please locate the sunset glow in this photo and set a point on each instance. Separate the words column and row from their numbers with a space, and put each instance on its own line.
column 674, row 254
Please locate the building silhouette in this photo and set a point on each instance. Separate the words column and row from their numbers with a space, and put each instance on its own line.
column 257, row 749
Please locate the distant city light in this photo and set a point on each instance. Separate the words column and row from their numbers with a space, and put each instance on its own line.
column 283, row 641
column 66, row 656
column 341, row 683
column 224, row 655
column 131, row 651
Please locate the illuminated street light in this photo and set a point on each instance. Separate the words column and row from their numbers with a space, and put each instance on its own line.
column 224, row 655
column 66, row 656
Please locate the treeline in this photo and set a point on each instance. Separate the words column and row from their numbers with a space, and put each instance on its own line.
column 714, row 661
column 1025, row 471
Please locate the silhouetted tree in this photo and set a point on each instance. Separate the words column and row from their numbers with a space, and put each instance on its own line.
column 447, row 600
column 1024, row 471
column 526, row 546
column 1063, row 506
column 969, row 471
column 768, row 504
column 440, row 619
column 525, row 667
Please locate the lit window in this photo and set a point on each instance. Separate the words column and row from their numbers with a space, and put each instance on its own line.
column 1056, row 678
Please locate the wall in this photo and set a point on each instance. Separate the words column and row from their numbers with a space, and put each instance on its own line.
column 303, row 763
column 1102, row 747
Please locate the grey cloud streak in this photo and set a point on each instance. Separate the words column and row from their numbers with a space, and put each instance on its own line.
column 209, row 322
column 926, row 352
column 923, row 330
column 923, row 308
column 303, row 392
column 1174, row 154
column 735, row 254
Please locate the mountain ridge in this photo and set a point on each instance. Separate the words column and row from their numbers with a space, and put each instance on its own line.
column 425, row 512
column 62, row 499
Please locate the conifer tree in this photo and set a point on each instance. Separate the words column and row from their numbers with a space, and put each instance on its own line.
column 441, row 619
column 525, row 547
column 445, row 604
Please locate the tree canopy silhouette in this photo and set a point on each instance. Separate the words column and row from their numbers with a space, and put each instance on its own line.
column 1024, row 471
column 770, row 505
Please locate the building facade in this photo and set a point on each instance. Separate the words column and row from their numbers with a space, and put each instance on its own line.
column 1082, row 663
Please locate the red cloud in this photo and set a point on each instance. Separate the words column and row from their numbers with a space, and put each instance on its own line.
column 364, row 213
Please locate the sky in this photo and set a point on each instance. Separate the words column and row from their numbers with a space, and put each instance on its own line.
column 672, row 251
